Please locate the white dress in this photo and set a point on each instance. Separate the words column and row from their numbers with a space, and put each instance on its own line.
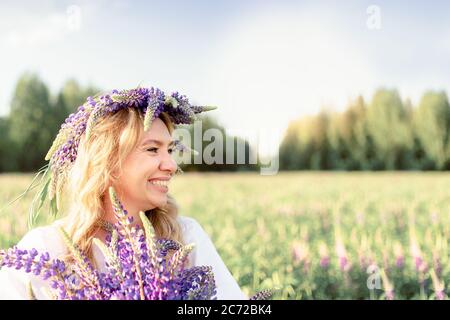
column 14, row 283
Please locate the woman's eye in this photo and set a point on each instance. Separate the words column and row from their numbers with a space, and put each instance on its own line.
column 155, row 149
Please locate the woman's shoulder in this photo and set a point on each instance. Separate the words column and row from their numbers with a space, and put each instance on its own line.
column 44, row 239
column 187, row 222
column 190, row 224
column 191, row 228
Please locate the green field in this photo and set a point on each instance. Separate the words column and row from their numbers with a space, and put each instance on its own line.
column 312, row 235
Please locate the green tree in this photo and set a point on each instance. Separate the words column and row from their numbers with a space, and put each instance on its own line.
column 432, row 123
column 290, row 153
column 306, row 144
column 7, row 148
column 69, row 98
column 387, row 120
column 72, row 95
column 31, row 122
column 321, row 147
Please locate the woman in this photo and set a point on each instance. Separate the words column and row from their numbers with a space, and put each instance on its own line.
column 128, row 146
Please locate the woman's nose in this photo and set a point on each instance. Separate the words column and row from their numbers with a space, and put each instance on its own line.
column 169, row 164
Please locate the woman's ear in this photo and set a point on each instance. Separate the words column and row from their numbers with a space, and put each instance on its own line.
column 115, row 175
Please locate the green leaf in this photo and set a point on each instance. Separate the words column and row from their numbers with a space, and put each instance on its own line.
column 148, row 118
column 30, row 291
column 149, row 234
column 53, row 208
column 89, row 275
column 180, row 256
column 39, row 199
column 149, row 231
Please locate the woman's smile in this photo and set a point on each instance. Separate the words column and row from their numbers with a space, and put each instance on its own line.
column 160, row 185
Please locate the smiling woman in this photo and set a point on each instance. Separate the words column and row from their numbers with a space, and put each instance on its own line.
column 115, row 155
column 130, row 150
column 139, row 182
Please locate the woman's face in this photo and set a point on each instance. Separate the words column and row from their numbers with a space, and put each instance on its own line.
column 143, row 184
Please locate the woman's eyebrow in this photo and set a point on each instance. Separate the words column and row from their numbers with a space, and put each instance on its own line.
column 157, row 142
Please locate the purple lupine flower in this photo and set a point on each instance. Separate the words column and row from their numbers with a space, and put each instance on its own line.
column 324, row 262
column 399, row 262
column 262, row 295
column 390, row 295
column 344, row 263
column 438, row 286
column 38, row 264
column 324, row 256
column 421, row 265
column 387, row 285
column 437, row 265
column 418, row 261
column 300, row 255
column 440, row 295
column 417, row 256
column 399, row 255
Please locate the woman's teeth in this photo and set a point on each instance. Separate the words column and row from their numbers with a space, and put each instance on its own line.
column 160, row 183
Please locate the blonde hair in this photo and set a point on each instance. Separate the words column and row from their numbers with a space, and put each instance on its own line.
column 112, row 140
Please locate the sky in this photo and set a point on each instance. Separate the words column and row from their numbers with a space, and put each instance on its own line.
column 263, row 63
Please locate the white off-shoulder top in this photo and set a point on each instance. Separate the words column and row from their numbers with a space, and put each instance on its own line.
column 14, row 283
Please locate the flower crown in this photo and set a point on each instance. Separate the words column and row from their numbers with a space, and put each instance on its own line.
column 63, row 152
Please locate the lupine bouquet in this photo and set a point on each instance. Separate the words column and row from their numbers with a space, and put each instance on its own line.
column 137, row 267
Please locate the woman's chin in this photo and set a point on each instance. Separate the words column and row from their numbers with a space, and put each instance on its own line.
column 157, row 196
column 160, row 202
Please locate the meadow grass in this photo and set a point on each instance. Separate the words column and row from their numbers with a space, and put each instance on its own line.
column 312, row 235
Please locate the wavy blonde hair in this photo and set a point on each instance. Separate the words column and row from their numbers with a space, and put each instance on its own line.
column 112, row 140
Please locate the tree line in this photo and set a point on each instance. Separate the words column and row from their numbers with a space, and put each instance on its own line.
column 385, row 133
